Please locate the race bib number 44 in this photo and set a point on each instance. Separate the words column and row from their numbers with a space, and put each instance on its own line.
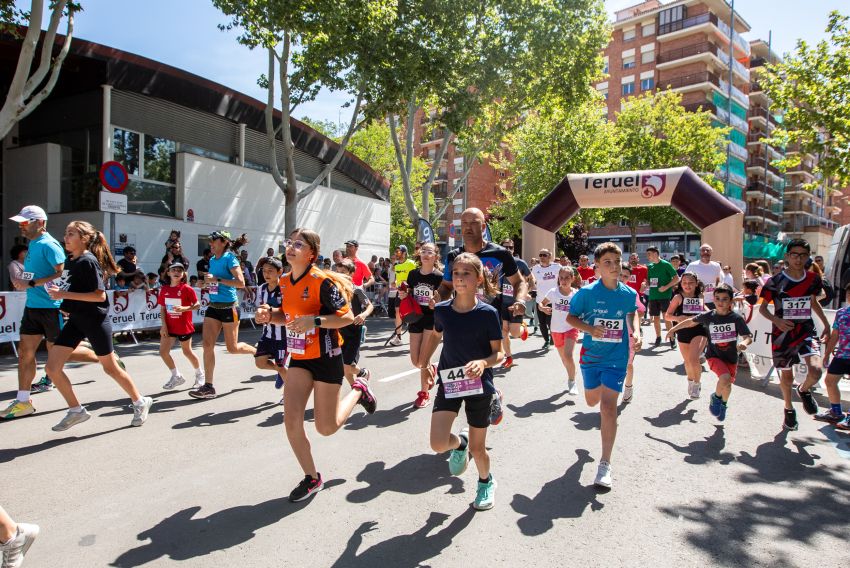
column 796, row 308
column 457, row 384
column 722, row 332
column 692, row 305
column 613, row 330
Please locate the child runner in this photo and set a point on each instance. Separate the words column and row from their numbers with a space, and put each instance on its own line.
column 687, row 303
column 352, row 335
column 556, row 305
column 178, row 300
column 472, row 346
column 606, row 312
column 662, row 280
column 723, row 327
column 794, row 338
column 314, row 306
column 83, row 296
column 838, row 367
column 628, row 387
column 424, row 282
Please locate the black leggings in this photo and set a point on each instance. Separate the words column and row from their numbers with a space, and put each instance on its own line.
column 544, row 321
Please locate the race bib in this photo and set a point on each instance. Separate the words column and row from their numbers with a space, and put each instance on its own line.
column 423, row 295
column 456, row 383
column 709, row 288
column 296, row 342
column 393, row 291
column 633, row 279
column 613, row 330
column 171, row 304
column 27, row 276
column 722, row 332
column 562, row 306
column 797, row 308
column 653, row 282
column 507, row 290
column 213, row 288
column 692, row 306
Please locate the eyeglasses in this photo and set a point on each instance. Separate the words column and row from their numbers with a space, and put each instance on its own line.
column 297, row 245
column 798, row 255
column 426, row 252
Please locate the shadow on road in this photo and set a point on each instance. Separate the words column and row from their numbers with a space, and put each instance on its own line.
column 707, row 450
column 416, row 475
column 381, row 418
column 9, row 455
column 674, row 416
column 403, row 550
column 586, row 420
column 545, row 406
column 226, row 417
column 562, row 498
column 159, row 406
column 775, row 461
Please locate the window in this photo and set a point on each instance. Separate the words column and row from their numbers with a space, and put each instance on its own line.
column 458, row 165
column 647, row 84
column 126, row 149
column 673, row 14
column 647, row 56
column 604, row 93
column 648, row 29
column 160, row 159
column 629, row 88
column 629, row 62
column 629, row 34
column 152, row 165
column 605, row 65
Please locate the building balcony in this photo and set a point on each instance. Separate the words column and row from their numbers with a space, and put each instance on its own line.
column 706, row 20
column 434, row 137
column 686, row 54
column 758, row 212
column 756, row 136
column 684, row 81
column 732, row 119
column 760, row 188
column 761, row 112
column 743, row 72
column 737, row 179
column 801, row 169
column 757, row 161
column 757, row 62
column 738, row 151
column 737, row 93
column 706, row 106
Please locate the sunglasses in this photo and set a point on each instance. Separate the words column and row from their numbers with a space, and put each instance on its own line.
column 543, row 254
column 297, row 245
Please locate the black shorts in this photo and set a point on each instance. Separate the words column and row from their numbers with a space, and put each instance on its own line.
column 658, row 307
column 689, row 334
column 224, row 315
column 503, row 303
column 272, row 349
column 352, row 336
column 185, row 337
column 785, row 357
column 425, row 322
column 477, row 407
column 839, row 366
column 95, row 327
column 42, row 321
column 324, row 369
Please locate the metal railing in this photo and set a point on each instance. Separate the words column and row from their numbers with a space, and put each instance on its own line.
column 685, row 23
column 762, row 187
column 692, row 79
column 687, row 51
column 737, row 93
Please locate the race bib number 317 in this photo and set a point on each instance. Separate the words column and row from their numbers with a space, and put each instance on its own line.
column 796, row 308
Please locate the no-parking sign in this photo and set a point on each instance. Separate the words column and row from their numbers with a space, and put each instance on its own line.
column 114, row 177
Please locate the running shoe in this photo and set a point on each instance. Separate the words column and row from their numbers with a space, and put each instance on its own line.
column 603, row 475
column 140, row 411
column 422, row 398
column 673, row 343
column 43, row 385
column 459, row 459
column 308, row 487
column 200, row 379
column 174, row 382
column 714, row 404
column 485, row 497
column 628, row 393
column 205, row 391
column 508, row 362
column 364, row 374
column 829, row 416
column 657, row 341
column 14, row 551
column 546, row 343
column 844, row 424
column 367, row 397
column 524, row 334
column 696, row 390
column 496, row 413
column 571, row 387
column 790, row 422
column 17, row 409
column 721, row 416
column 810, row 405
column 395, row 341
column 278, row 382
column 72, row 419
column 690, row 388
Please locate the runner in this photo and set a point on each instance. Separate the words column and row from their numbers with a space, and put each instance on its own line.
column 44, row 262
column 83, row 295
column 709, row 273
column 555, row 304
column 686, row 303
column 472, row 346
column 584, row 268
column 221, row 282
column 513, row 325
column 423, row 283
column 352, row 335
column 314, row 306
column 662, row 280
column 177, row 301
column 793, row 293
column 546, row 278
column 628, row 386
column 838, row 367
column 15, row 540
column 402, row 269
column 605, row 311
column 724, row 327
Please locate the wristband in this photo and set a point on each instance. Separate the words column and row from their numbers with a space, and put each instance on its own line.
column 317, row 321
column 31, row 284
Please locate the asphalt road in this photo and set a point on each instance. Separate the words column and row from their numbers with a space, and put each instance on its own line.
column 204, row 483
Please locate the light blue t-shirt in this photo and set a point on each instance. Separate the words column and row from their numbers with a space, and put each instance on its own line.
column 220, row 267
column 43, row 255
column 597, row 305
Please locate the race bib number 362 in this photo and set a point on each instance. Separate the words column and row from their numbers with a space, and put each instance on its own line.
column 457, row 384
column 613, row 330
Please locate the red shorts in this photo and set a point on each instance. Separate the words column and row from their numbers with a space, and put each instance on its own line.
column 559, row 338
column 720, row 367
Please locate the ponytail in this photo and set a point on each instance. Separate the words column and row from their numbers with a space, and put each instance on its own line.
column 97, row 245
column 342, row 282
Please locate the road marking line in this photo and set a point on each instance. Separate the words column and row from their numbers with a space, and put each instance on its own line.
column 398, row 376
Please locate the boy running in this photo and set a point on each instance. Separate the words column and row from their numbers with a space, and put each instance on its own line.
column 838, row 367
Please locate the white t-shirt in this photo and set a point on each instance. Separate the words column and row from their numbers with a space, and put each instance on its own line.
column 709, row 274
column 546, row 278
column 560, row 309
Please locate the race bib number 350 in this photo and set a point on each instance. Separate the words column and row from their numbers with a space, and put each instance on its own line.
column 457, row 384
column 722, row 332
column 796, row 308
column 613, row 330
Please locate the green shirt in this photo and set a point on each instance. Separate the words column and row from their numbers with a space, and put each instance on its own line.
column 660, row 274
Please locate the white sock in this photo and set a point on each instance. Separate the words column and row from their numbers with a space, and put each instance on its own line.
column 76, row 409
column 175, row 372
column 199, row 372
column 23, row 396
column 140, row 402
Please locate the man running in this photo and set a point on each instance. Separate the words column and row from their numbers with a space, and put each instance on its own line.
column 662, row 280
column 402, row 268
column 512, row 325
column 710, row 273
column 584, row 269
column 545, row 278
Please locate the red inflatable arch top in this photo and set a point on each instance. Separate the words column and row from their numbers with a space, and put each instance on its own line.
column 720, row 222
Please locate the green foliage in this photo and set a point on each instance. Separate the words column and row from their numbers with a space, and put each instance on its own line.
column 328, row 128
column 812, row 87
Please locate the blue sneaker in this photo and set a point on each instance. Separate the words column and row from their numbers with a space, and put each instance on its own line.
column 485, row 498
column 459, row 459
column 714, row 405
column 721, row 416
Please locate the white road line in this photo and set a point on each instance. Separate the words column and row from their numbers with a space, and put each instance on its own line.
column 398, row 376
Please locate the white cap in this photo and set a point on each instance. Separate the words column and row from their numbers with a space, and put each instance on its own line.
column 30, row 213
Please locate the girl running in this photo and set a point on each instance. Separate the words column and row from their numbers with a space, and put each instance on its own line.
column 423, row 283
column 686, row 303
column 472, row 346
column 177, row 301
column 314, row 305
column 84, row 299
column 628, row 387
column 221, row 282
column 556, row 303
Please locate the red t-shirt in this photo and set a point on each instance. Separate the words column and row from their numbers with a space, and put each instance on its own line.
column 638, row 277
column 361, row 272
column 586, row 272
column 182, row 295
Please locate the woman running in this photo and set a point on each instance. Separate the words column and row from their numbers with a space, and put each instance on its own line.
column 556, row 303
column 83, row 295
column 221, row 282
column 686, row 303
column 472, row 346
column 177, row 301
column 423, row 283
column 314, row 306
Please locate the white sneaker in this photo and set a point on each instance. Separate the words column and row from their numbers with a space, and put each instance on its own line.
column 571, row 388
column 696, row 390
column 14, row 551
column 200, row 379
column 140, row 411
column 690, row 388
column 395, row 341
column 72, row 419
column 174, row 382
column 628, row 392
column 603, row 475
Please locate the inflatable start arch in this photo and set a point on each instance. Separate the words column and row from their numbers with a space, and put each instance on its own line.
column 720, row 222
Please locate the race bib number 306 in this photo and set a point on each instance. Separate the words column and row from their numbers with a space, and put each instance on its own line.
column 722, row 332
column 457, row 384
column 613, row 330
column 796, row 308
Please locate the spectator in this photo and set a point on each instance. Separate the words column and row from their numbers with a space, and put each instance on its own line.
column 173, row 238
column 137, row 281
column 128, row 261
column 174, row 254
column 337, row 256
column 819, row 262
column 247, row 268
column 727, row 276
column 193, row 281
column 373, row 264
column 120, row 281
column 676, row 261
column 16, row 267
column 326, row 264
column 362, row 274
column 153, row 281
column 203, row 265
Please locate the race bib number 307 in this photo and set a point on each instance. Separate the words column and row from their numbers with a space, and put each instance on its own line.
column 796, row 308
column 457, row 384
column 613, row 330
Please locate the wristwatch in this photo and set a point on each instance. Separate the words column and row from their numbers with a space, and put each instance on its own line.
column 317, row 321
column 31, row 283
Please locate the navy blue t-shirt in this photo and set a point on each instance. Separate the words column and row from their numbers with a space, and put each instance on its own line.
column 467, row 337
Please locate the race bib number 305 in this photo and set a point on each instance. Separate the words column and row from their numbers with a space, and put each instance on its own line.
column 613, row 330
column 796, row 308
column 722, row 332
column 457, row 384
column 692, row 305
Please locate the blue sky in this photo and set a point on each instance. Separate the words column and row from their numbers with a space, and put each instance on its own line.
column 183, row 33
